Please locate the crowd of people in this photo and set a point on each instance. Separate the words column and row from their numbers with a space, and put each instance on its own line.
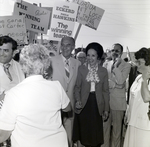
column 68, row 101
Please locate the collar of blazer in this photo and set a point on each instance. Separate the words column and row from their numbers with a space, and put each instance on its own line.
column 123, row 64
column 85, row 69
column 71, row 67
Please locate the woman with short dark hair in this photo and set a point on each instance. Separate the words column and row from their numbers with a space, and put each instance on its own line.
column 138, row 113
column 92, row 99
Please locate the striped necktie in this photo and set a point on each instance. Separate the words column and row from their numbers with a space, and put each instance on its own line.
column 6, row 69
column 113, row 65
column 67, row 68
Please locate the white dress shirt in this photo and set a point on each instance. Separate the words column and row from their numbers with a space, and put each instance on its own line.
column 16, row 74
column 137, row 111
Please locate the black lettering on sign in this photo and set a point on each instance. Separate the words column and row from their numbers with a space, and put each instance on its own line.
column 33, row 26
column 21, row 6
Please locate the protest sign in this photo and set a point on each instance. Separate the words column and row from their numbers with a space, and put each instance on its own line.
column 88, row 14
column 14, row 26
column 50, row 18
column 52, row 46
column 63, row 20
column 37, row 18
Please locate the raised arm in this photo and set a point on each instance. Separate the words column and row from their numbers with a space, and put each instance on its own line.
column 121, row 75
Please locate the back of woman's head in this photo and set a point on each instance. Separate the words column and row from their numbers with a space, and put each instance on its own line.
column 143, row 53
column 35, row 59
column 97, row 47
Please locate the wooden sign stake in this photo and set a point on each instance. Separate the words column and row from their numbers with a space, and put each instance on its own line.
column 76, row 35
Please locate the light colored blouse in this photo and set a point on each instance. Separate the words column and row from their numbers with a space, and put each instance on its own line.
column 32, row 111
column 92, row 76
column 137, row 111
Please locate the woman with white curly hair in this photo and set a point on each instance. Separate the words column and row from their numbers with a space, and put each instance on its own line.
column 91, row 95
column 31, row 112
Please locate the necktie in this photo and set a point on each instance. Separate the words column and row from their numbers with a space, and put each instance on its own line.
column 67, row 68
column 6, row 69
column 113, row 65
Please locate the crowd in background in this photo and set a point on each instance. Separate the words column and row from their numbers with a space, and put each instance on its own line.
column 87, row 99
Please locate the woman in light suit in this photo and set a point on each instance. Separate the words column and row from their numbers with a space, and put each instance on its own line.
column 92, row 99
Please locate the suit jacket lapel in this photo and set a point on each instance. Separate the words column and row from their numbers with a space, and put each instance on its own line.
column 109, row 68
column 60, row 65
column 121, row 66
column 71, row 68
column 85, row 71
column 62, row 68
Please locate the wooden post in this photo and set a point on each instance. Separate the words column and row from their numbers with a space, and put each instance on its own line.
column 41, row 33
column 31, row 36
column 31, row 33
column 76, row 35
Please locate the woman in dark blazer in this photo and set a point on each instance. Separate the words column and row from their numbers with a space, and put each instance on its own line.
column 92, row 99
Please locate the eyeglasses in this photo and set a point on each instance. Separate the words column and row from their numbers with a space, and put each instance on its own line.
column 116, row 51
column 81, row 57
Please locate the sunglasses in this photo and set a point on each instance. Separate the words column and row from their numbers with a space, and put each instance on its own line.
column 116, row 51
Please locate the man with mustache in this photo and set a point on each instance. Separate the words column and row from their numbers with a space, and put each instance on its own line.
column 118, row 71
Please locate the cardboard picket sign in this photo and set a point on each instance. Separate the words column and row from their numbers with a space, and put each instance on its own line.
column 14, row 26
column 52, row 46
column 88, row 14
column 50, row 18
column 63, row 20
column 37, row 18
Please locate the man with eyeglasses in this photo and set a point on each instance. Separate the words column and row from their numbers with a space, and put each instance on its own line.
column 118, row 71
column 81, row 56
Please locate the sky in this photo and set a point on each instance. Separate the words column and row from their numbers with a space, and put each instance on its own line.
column 124, row 21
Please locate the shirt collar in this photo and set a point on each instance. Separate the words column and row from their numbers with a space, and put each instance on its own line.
column 64, row 59
column 11, row 62
column 33, row 78
column 96, row 66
